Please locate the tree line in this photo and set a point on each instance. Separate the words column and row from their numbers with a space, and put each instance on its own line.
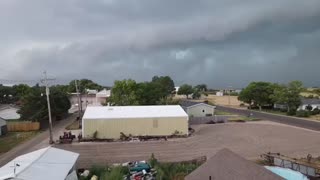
column 129, row 92
column 158, row 91
column 266, row 94
column 33, row 103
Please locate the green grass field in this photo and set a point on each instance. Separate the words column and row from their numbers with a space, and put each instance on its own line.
column 217, row 112
column 243, row 118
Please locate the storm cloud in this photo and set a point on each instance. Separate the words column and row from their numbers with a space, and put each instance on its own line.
column 220, row 43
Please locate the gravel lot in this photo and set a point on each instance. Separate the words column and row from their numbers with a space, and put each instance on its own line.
column 248, row 139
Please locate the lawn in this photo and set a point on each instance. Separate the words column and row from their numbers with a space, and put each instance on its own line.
column 313, row 117
column 274, row 111
column 243, row 118
column 12, row 139
column 218, row 112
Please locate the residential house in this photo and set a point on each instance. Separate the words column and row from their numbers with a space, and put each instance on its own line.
column 90, row 98
column 102, row 96
column 314, row 103
column 48, row 163
column 226, row 165
column 197, row 109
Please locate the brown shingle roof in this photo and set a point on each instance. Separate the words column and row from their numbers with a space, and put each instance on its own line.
column 226, row 165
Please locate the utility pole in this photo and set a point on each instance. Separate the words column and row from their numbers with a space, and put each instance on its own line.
column 45, row 81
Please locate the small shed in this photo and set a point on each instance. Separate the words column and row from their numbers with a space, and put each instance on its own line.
column 197, row 109
column 108, row 122
column 3, row 127
column 226, row 165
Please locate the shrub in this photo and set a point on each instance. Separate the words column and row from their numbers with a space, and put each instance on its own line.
column 315, row 111
column 95, row 134
column 292, row 112
column 302, row 113
column 153, row 161
column 309, row 107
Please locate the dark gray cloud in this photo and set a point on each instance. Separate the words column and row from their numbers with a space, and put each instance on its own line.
column 220, row 43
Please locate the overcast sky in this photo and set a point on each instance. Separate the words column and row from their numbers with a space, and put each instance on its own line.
column 221, row 43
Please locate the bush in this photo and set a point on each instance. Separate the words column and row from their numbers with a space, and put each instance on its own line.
column 315, row 111
column 292, row 112
column 95, row 134
column 309, row 107
column 302, row 113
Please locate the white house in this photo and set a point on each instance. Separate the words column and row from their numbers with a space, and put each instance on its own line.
column 3, row 126
column 197, row 109
column 314, row 103
column 44, row 164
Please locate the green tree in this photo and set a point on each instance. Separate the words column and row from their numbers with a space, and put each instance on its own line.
column 185, row 89
column 258, row 93
column 288, row 95
column 34, row 104
column 84, row 84
column 196, row 93
column 124, row 93
column 201, row 87
column 21, row 90
column 149, row 93
column 165, row 83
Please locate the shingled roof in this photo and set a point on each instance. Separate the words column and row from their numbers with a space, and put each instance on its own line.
column 226, row 165
column 310, row 101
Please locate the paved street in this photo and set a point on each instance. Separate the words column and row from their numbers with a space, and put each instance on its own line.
column 37, row 142
column 248, row 139
column 308, row 124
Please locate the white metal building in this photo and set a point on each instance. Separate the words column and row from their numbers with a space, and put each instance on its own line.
column 44, row 164
column 110, row 121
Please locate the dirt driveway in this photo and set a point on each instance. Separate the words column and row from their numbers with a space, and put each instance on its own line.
column 248, row 139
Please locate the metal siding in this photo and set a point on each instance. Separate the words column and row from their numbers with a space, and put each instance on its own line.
column 196, row 111
column 111, row 128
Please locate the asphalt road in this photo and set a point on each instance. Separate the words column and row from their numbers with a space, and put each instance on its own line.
column 298, row 122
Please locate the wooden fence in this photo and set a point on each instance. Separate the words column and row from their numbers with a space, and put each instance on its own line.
column 23, row 126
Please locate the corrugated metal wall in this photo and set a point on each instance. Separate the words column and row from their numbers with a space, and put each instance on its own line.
column 111, row 128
